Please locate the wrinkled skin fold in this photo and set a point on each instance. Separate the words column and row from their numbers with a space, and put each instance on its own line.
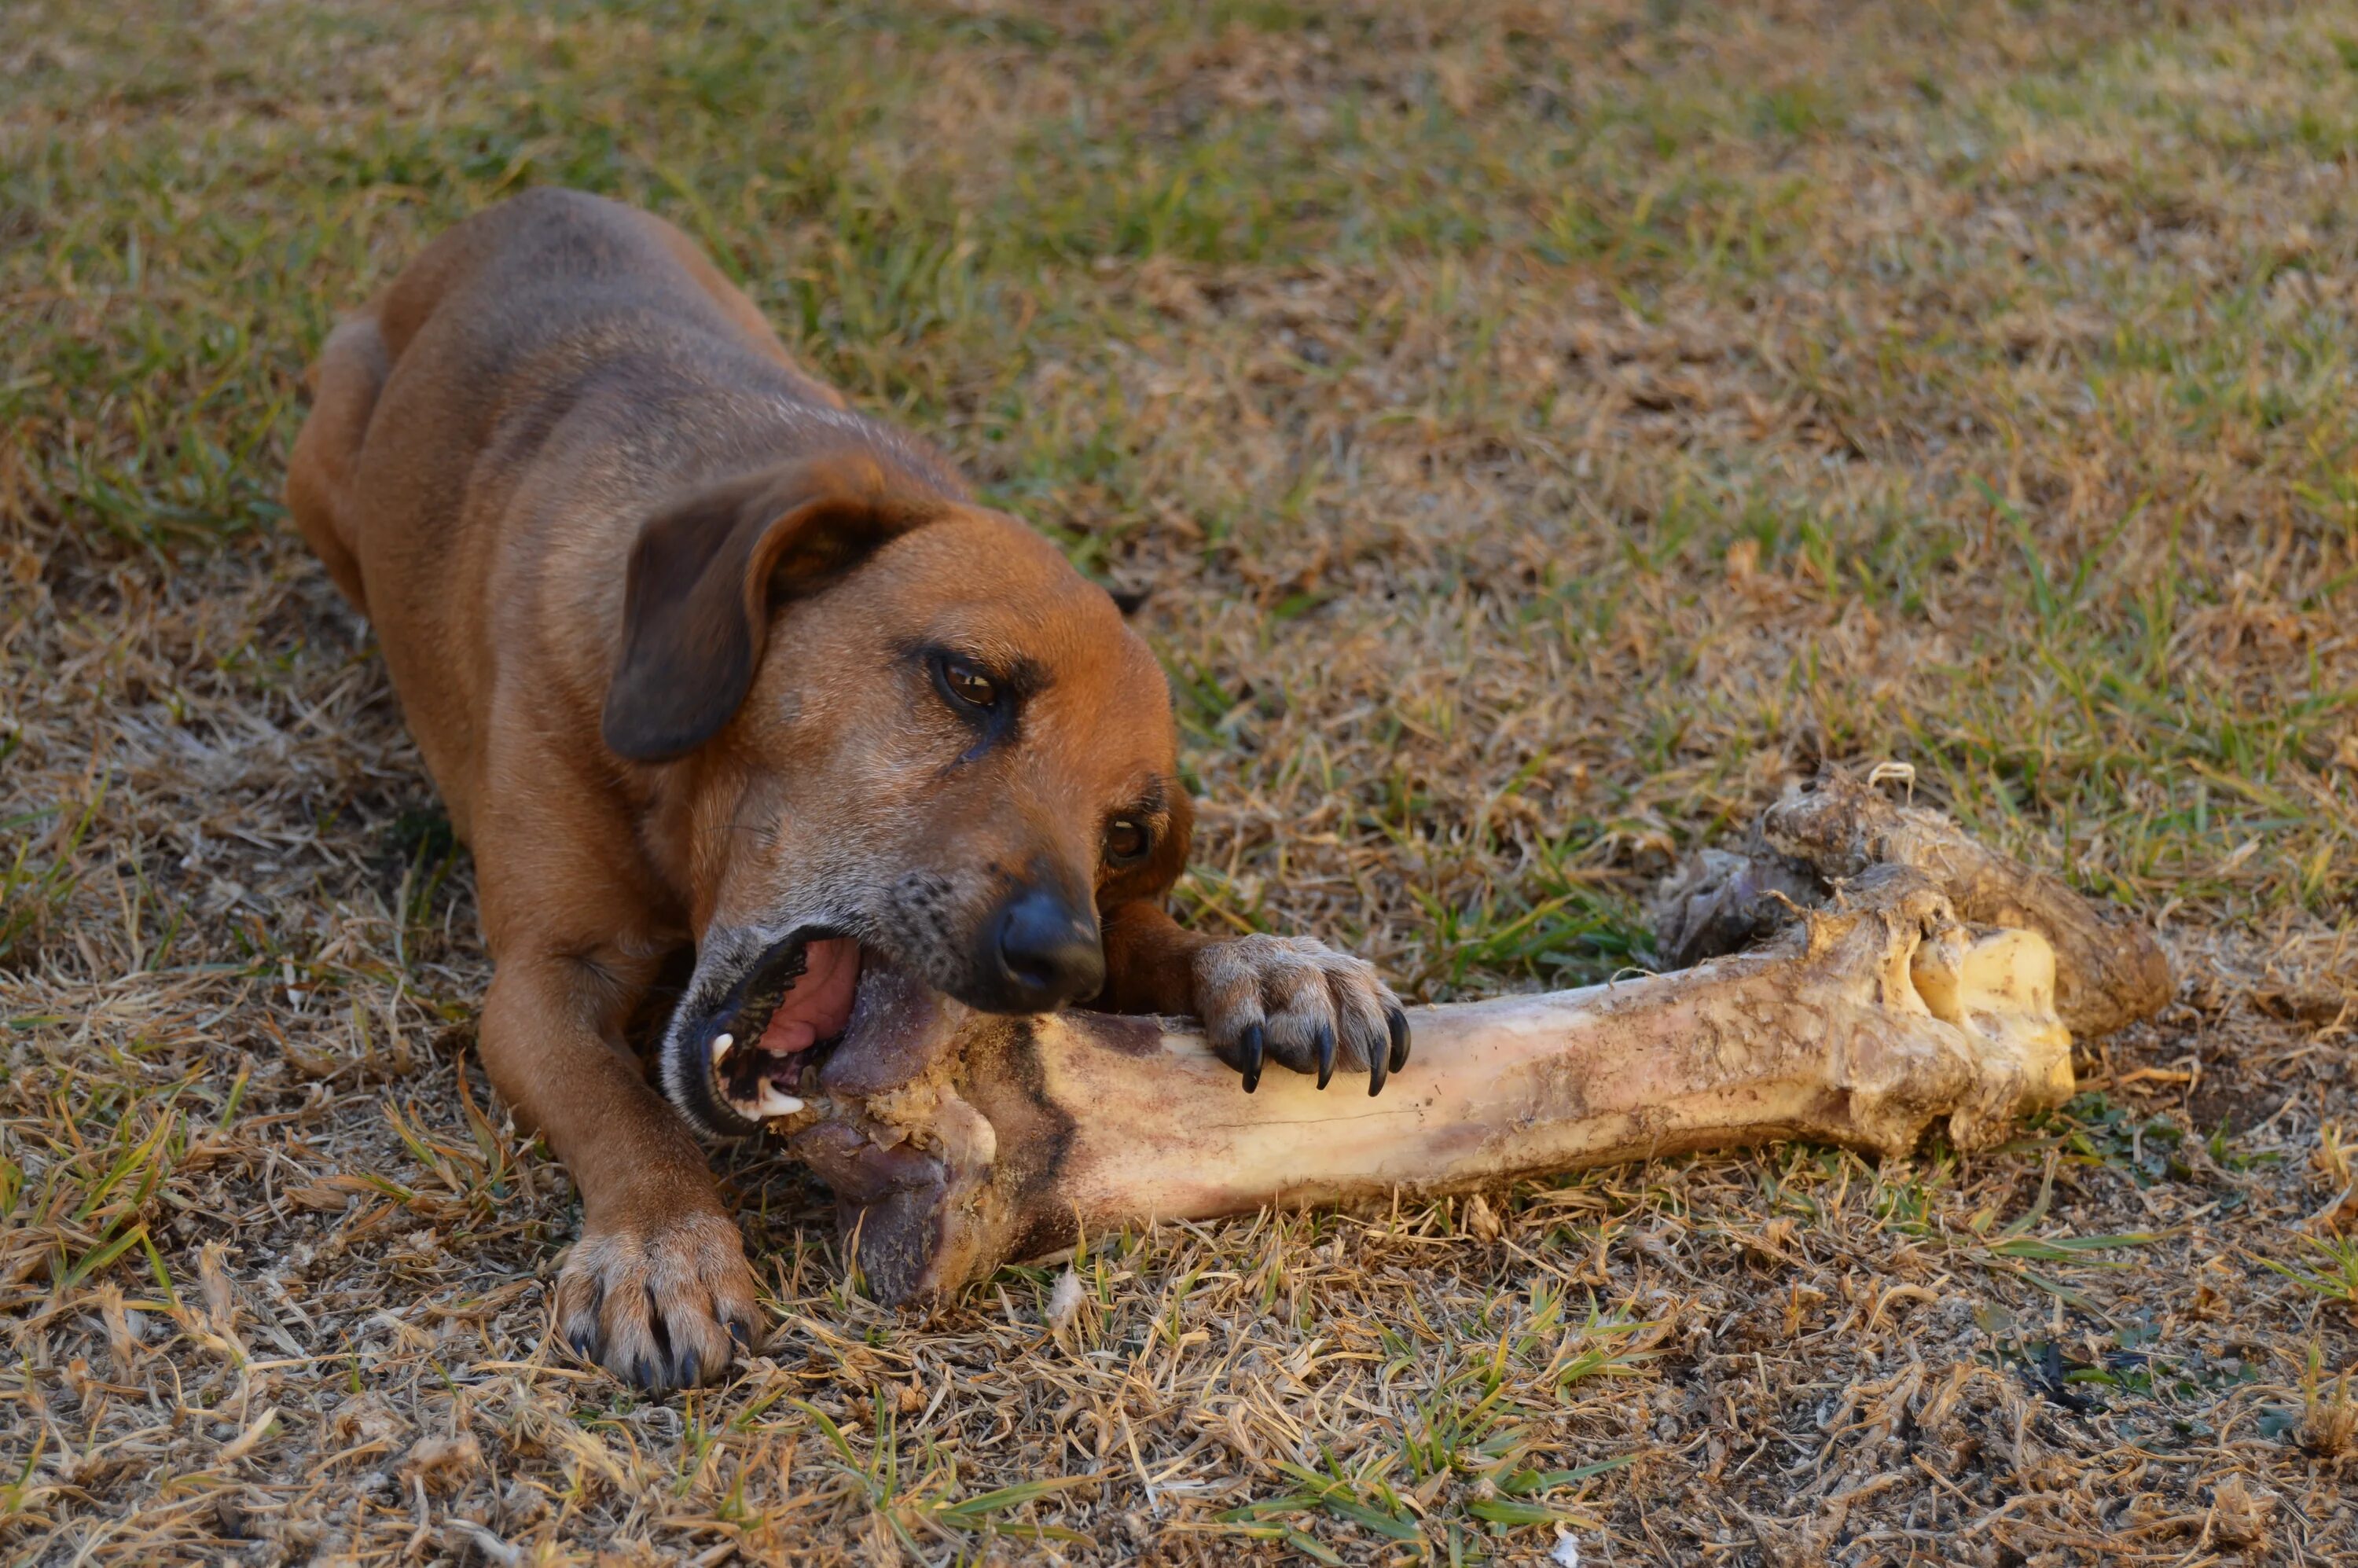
column 1861, row 1023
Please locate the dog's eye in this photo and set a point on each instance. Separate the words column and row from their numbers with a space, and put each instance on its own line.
column 969, row 685
column 1126, row 839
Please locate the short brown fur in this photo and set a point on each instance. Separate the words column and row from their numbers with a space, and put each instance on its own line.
column 655, row 602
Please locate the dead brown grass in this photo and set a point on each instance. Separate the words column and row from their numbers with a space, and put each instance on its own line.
column 1542, row 430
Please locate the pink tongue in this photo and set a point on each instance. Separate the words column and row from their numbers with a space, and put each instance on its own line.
column 820, row 1004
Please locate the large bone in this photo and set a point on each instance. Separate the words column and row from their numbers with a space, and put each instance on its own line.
column 978, row 1140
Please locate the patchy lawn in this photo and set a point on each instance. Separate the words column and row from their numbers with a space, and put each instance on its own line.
column 1539, row 429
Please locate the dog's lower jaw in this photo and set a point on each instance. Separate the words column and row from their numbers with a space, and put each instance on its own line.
column 723, row 1066
column 742, row 976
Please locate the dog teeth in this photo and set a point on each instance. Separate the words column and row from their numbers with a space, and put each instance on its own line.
column 721, row 1046
column 775, row 1101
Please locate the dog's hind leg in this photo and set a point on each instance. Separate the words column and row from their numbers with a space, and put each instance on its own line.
column 345, row 382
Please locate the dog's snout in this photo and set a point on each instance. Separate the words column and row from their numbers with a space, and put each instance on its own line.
column 1042, row 954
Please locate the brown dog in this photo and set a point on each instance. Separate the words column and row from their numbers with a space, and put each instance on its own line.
column 698, row 655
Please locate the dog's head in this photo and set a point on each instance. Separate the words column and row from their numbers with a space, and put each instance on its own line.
column 915, row 751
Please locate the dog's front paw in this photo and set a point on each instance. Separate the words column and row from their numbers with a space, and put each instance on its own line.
column 659, row 1304
column 1301, row 1002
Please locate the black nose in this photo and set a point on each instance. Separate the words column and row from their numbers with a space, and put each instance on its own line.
column 1045, row 953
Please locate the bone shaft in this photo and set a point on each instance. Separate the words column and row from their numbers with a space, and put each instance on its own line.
column 1517, row 1086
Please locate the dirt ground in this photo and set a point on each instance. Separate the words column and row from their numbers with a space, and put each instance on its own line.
column 1538, row 430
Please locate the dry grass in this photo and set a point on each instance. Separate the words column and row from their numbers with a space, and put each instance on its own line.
column 1540, row 430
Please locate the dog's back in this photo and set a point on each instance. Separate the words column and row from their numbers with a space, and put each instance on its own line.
column 536, row 381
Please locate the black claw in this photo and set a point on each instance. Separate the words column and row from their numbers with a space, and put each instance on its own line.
column 585, row 1345
column 686, row 1365
column 1397, row 1021
column 1378, row 1069
column 1250, row 1046
column 1326, row 1044
column 643, row 1373
column 742, row 1333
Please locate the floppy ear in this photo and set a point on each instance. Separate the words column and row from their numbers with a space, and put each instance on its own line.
column 696, row 608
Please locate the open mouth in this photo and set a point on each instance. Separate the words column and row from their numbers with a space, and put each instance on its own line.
column 744, row 1064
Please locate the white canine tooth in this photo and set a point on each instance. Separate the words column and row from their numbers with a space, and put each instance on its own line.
column 775, row 1101
column 721, row 1048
